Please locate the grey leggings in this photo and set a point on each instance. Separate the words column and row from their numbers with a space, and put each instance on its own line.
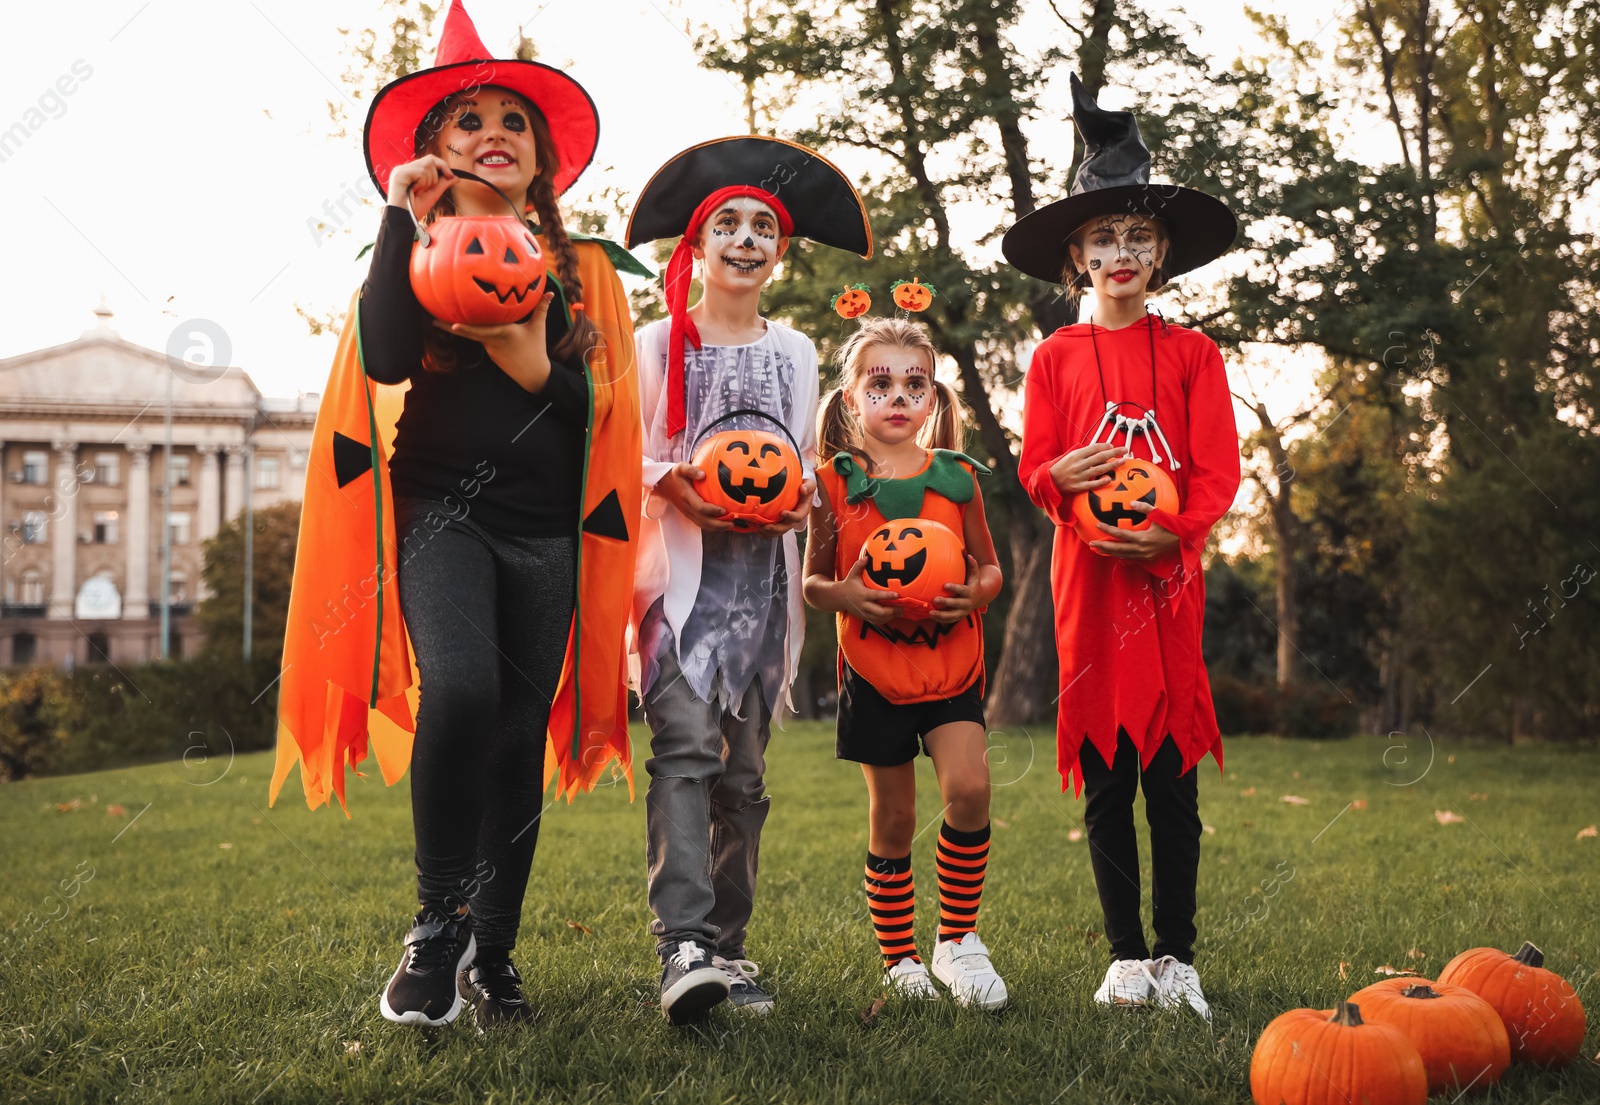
column 488, row 616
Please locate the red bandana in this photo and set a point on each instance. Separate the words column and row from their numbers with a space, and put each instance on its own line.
column 680, row 271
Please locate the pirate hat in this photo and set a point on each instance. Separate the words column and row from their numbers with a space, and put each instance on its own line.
column 1114, row 179
column 807, row 192
column 463, row 64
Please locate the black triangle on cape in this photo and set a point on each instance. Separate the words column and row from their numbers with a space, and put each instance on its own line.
column 606, row 519
column 351, row 459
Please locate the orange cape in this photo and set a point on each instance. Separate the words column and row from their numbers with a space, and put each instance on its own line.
column 348, row 679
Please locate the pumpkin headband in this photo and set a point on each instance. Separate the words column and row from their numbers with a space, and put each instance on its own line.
column 680, row 270
column 908, row 295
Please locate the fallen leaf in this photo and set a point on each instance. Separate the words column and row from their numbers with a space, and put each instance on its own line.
column 585, row 929
column 1294, row 800
column 1248, row 792
column 1588, row 831
column 116, row 811
column 351, row 1047
column 1001, row 824
column 1447, row 817
column 68, row 807
column 1477, row 796
column 1247, row 824
column 1074, row 835
column 1212, row 829
column 1417, row 953
column 1359, row 804
column 1450, row 759
column 224, row 844
column 869, row 1016
column 1297, row 775
column 1391, row 971
column 1089, row 935
column 1233, row 776
column 1344, row 968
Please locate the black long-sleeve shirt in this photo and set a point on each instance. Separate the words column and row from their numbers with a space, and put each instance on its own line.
column 473, row 435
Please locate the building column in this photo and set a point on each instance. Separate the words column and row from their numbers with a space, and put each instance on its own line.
column 210, row 495
column 136, row 588
column 234, row 501
column 64, row 531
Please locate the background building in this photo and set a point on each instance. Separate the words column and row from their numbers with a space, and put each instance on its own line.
column 82, row 471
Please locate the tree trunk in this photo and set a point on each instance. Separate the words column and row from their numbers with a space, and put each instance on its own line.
column 1283, row 530
column 1024, row 687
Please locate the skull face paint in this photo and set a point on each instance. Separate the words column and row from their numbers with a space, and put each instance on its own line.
column 741, row 245
column 894, row 394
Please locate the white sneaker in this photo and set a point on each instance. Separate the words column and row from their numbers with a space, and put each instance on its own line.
column 1178, row 984
column 963, row 965
column 909, row 978
column 1128, row 983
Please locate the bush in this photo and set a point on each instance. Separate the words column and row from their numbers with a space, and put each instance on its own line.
column 1298, row 710
column 54, row 722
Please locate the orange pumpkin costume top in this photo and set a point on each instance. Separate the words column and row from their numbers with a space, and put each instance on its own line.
column 905, row 661
column 348, row 680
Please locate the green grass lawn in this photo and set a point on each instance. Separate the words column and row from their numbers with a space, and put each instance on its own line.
column 209, row 949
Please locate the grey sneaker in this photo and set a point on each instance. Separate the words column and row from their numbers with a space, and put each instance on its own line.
column 690, row 983
column 743, row 991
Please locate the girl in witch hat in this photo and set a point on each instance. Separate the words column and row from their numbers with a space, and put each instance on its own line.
column 1135, row 706
column 720, row 617
column 505, row 512
column 885, row 442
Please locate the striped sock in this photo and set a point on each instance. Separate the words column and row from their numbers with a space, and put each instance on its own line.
column 892, row 900
column 962, row 859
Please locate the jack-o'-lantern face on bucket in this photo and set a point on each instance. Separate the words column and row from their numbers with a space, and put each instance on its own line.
column 1133, row 481
column 754, row 476
column 478, row 270
column 914, row 558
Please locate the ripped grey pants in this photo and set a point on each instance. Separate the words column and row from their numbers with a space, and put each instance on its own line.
column 703, row 812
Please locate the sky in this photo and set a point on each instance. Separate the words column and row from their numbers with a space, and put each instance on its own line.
column 174, row 157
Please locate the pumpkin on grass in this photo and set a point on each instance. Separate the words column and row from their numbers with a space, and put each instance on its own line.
column 1309, row 1057
column 1459, row 1035
column 1541, row 1011
column 914, row 558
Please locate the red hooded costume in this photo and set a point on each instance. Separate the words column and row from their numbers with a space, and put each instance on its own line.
column 1128, row 636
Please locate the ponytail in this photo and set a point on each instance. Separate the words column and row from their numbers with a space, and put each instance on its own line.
column 838, row 431
column 942, row 430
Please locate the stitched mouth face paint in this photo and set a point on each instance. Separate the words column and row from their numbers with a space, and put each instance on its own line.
column 742, row 244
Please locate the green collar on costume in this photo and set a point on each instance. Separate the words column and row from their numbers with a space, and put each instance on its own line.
column 903, row 498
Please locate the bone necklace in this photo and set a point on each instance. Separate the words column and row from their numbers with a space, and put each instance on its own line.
column 1112, row 423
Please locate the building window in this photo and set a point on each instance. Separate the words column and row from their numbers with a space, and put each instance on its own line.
column 105, row 524
column 180, row 527
column 267, row 473
column 24, row 646
column 99, row 648
column 32, row 589
column 107, row 468
column 35, row 527
column 179, row 584
column 180, row 470
column 35, row 466
column 174, row 646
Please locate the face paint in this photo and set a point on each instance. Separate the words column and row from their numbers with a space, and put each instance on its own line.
column 743, row 244
column 1120, row 252
column 893, row 395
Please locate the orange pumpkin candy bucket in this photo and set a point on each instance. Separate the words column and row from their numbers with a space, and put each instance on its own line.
column 753, row 475
column 478, row 270
column 914, row 558
column 1133, row 480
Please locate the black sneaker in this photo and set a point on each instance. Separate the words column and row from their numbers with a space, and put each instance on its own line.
column 494, row 990
column 423, row 988
column 690, row 983
column 743, row 990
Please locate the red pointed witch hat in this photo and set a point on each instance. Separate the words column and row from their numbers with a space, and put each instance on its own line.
column 461, row 65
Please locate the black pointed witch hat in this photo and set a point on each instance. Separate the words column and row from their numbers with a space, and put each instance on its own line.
column 1114, row 179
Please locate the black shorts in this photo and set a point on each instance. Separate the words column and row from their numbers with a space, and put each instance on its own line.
column 875, row 731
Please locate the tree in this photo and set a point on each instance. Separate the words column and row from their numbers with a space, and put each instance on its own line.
column 221, row 613
column 937, row 96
